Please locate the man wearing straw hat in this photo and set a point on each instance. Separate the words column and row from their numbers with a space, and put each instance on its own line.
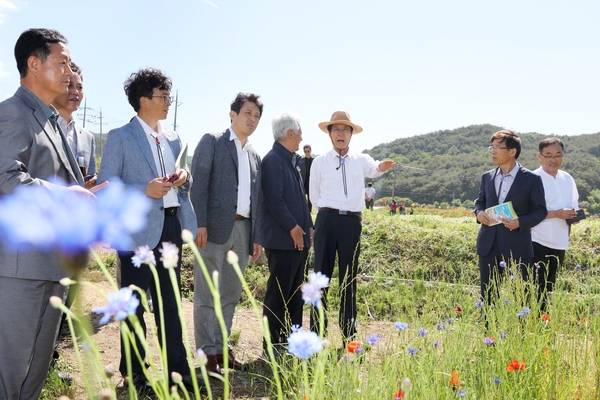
column 337, row 181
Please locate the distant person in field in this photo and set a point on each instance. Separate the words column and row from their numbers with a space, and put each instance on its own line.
column 509, row 241
column 393, row 207
column 551, row 237
column 369, row 196
column 336, row 189
column 305, row 171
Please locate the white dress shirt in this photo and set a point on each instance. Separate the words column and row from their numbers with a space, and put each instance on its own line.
column 170, row 199
column 243, row 199
column 561, row 192
column 338, row 182
column 68, row 128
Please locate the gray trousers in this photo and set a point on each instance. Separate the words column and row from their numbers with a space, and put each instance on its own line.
column 28, row 328
column 207, row 331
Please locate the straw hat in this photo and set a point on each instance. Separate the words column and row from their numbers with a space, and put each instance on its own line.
column 340, row 118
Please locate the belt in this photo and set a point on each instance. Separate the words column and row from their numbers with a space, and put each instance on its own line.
column 239, row 217
column 171, row 211
column 355, row 214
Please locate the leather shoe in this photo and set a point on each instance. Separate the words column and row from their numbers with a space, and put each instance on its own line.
column 212, row 364
column 189, row 384
column 233, row 362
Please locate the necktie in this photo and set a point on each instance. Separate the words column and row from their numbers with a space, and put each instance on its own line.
column 161, row 160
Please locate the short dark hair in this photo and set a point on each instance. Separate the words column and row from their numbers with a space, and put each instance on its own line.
column 35, row 42
column 331, row 125
column 307, row 146
column 142, row 84
column 76, row 70
column 241, row 98
column 510, row 139
column 549, row 142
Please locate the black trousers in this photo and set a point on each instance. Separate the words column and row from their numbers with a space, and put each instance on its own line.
column 283, row 299
column 548, row 260
column 491, row 273
column 338, row 234
column 143, row 278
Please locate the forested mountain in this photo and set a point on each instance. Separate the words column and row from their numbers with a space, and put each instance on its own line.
column 446, row 165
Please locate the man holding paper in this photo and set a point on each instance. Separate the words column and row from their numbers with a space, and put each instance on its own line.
column 143, row 155
column 510, row 240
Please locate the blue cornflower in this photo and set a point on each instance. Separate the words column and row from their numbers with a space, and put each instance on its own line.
column 35, row 217
column 170, row 255
column 488, row 341
column 311, row 290
column 461, row 393
column 450, row 320
column 578, row 267
column 479, row 304
column 120, row 305
column 304, row 344
column 503, row 334
column 523, row 312
column 596, row 251
column 502, row 264
column 436, row 344
column 401, row 326
column 422, row 332
column 143, row 255
column 411, row 284
column 497, row 381
column 373, row 339
column 412, row 351
column 440, row 326
column 536, row 265
column 506, row 301
column 296, row 328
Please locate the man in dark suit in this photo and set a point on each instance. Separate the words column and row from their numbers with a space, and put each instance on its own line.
column 32, row 152
column 227, row 201
column 305, row 171
column 287, row 229
column 142, row 154
column 81, row 141
column 509, row 241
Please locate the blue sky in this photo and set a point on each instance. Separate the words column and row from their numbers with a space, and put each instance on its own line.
column 401, row 68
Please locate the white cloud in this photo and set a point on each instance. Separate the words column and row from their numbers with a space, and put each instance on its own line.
column 206, row 1
column 6, row 5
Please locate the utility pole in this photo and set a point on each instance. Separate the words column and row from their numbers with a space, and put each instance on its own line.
column 85, row 108
column 176, row 104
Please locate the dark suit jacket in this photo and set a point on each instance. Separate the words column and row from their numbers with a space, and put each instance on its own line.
column 214, row 193
column 528, row 201
column 31, row 154
column 284, row 201
column 305, row 171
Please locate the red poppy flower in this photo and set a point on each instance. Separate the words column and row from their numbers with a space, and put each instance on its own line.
column 515, row 365
column 545, row 317
column 354, row 346
column 458, row 310
column 399, row 395
column 455, row 380
column 584, row 319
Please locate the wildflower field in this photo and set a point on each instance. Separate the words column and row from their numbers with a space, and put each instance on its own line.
column 422, row 331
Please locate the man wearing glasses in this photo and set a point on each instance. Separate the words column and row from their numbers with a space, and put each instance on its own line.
column 142, row 154
column 551, row 237
column 337, row 190
column 510, row 241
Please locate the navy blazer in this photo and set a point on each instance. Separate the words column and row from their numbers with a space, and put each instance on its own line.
column 528, row 201
column 214, row 193
column 284, row 201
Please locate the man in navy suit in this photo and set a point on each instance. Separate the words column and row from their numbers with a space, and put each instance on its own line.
column 509, row 241
column 227, row 203
column 142, row 154
column 287, row 228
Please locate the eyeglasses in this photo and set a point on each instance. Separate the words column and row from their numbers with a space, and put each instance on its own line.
column 554, row 158
column 345, row 129
column 496, row 148
column 166, row 99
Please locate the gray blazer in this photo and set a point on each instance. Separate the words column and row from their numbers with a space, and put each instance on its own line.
column 128, row 156
column 31, row 154
column 214, row 194
column 86, row 148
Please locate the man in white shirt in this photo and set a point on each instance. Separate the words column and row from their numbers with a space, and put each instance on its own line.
column 336, row 190
column 80, row 140
column 369, row 196
column 551, row 237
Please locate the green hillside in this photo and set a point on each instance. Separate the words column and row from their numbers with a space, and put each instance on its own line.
column 446, row 165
